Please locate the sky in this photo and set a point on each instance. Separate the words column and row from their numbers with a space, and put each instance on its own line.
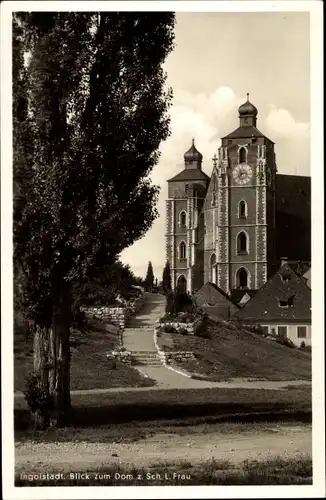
column 218, row 58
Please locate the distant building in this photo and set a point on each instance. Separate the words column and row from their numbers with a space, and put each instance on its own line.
column 215, row 301
column 281, row 306
column 233, row 228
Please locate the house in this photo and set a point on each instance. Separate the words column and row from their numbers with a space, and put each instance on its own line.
column 215, row 301
column 281, row 306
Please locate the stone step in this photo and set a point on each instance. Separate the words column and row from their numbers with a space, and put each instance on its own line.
column 137, row 362
column 141, row 357
column 144, row 353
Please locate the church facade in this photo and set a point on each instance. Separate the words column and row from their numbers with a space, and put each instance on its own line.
column 233, row 228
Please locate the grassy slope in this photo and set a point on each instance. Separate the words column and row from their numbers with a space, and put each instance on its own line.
column 90, row 368
column 232, row 352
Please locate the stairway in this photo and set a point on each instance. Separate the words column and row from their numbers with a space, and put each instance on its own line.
column 139, row 331
column 148, row 358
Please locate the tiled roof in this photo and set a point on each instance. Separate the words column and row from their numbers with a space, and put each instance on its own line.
column 265, row 305
column 244, row 132
column 210, row 291
column 190, row 174
column 237, row 294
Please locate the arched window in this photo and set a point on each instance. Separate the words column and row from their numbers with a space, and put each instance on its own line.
column 182, row 284
column 242, row 278
column 242, row 209
column 182, row 250
column 183, row 219
column 213, row 268
column 242, row 243
column 242, row 155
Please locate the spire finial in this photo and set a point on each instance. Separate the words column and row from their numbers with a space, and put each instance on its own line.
column 193, row 142
column 215, row 160
column 247, row 96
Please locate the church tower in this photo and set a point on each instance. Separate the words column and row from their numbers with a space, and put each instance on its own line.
column 239, row 250
column 185, row 226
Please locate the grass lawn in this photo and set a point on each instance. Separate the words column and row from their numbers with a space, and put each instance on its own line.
column 275, row 471
column 231, row 352
column 188, row 406
column 90, row 368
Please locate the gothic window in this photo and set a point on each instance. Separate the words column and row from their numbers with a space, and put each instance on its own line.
column 182, row 250
column 242, row 244
column 182, row 284
column 213, row 268
column 242, row 278
column 183, row 219
column 242, row 209
column 242, row 155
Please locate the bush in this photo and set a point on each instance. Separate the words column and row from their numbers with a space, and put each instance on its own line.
column 169, row 307
column 182, row 331
column 38, row 400
column 168, row 329
column 202, row 330
column 177, row 302
column 287, row 342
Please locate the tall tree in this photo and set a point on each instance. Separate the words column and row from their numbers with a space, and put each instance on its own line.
column 149, row 280
column 166, row 278
column 85, row 140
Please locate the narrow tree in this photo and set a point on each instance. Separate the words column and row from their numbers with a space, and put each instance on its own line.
column 166, row 278
column 149, row 280
column 86, row 135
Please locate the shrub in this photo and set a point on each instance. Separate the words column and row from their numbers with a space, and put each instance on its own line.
column 286, row 341
column 38, row 400
column 182, row 331
column 168, row 329
column 169, row 307
column 177, row 302
column 303, row 345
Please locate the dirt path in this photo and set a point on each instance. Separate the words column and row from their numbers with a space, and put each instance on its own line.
column 253, row 445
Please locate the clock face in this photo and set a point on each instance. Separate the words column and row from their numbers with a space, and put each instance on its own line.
column 242, row 174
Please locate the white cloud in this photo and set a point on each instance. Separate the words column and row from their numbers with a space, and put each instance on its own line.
column 281, row 123
column 292, row 140
column 206, row 118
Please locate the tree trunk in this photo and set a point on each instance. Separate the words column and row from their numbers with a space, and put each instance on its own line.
column 41, row 370
column 52, row 367
column 59, row 376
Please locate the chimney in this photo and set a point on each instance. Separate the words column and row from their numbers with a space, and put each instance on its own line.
column 284, row 260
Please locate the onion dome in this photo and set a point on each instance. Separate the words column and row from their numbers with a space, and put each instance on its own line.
column 248, row 109
column 192, row 154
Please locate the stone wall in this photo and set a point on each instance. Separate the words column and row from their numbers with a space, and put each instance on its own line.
column 178, row 356
column 178, row 325
column 116, row 315
column 163, row 357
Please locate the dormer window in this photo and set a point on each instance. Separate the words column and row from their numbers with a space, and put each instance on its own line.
column 286, row 303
